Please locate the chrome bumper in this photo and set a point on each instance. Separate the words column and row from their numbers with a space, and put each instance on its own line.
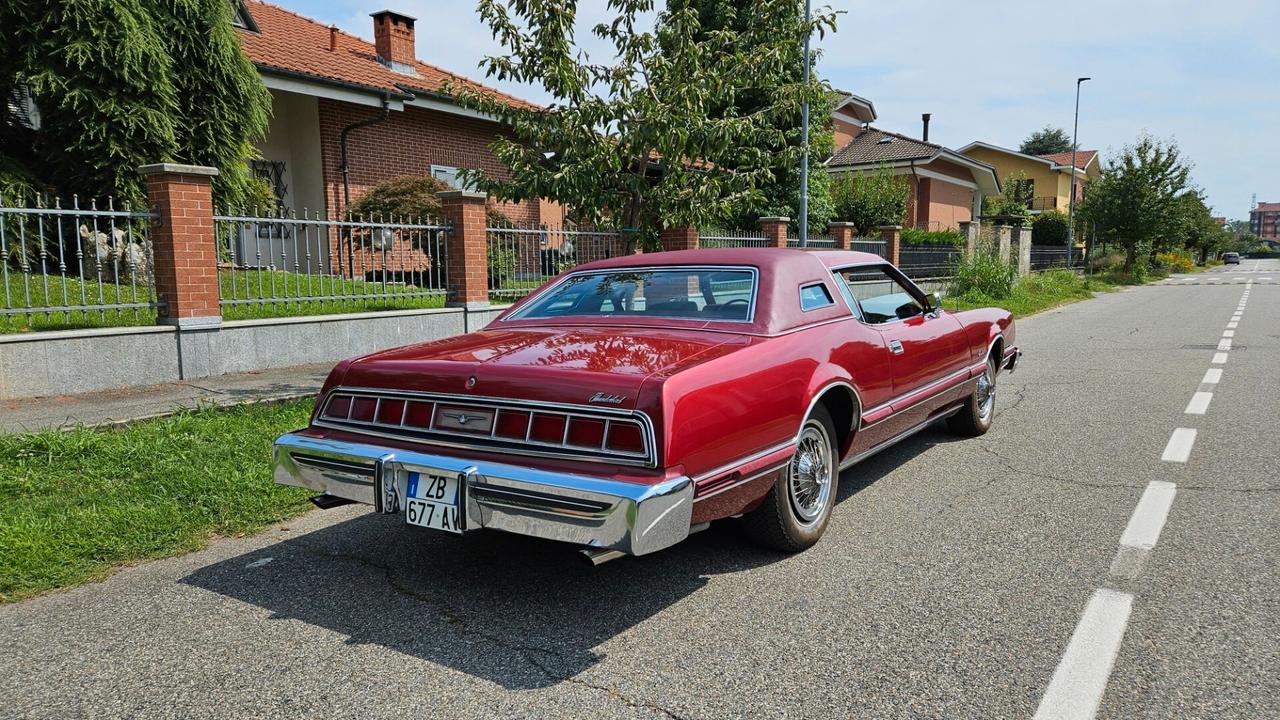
column 581, row 509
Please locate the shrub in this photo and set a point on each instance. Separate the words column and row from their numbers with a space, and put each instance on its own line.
column 412, row 198
column 1108, row 262
column 502, row 262
column 870, row 200
column 1175, row 262
column 983, row 273
column 918, row 236
column 1050, row 228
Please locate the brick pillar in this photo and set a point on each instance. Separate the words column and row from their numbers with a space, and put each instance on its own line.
column 679, row 238
column 842, row 233
column 892, row 237
column 467, row 248
column 775, row 230
column 1004, row 242
column 185, row 244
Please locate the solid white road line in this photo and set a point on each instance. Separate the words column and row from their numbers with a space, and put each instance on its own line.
column 1224, row 344
column 1180, row 444
column 1212, row 375
column 1199, row 403
column 1148, row 517
column 1075, row 692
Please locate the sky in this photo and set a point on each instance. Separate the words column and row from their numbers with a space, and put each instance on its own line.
column 1206, row 74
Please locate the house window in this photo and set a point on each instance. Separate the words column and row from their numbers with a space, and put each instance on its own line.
column 450, row 175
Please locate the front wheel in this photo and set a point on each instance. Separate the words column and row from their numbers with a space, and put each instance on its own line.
column 979, row 410
column 795, row 513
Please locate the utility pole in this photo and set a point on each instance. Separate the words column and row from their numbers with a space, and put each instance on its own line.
column 1075, row 144
column 804, row 139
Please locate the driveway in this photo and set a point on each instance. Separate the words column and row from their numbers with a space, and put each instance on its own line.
column 1054, row 564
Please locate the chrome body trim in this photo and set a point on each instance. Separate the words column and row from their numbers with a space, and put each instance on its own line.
column 899, row 437
column 597, row 512
column 490, row 442
column 938, row 386
column 741, row 481
column 731, row 466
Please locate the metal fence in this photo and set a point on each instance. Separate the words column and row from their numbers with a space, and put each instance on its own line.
column 1045, row 257
column 717, row 238
column 523, row 258
column 322, row 264
column 68, row 266
column 928, row 261
column 815, row 241
column 869, row 245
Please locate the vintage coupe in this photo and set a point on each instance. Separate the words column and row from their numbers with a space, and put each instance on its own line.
column 632, row 401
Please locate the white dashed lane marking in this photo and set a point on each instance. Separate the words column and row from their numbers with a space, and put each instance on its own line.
column 1148, row 517
column 1224, row 344
column 1078, row 683
column 1219, row 358
column 1179, row 447
column 1212, row 376
column 1199, row 404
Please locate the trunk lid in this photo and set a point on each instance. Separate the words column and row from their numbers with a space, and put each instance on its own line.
column 557, row 364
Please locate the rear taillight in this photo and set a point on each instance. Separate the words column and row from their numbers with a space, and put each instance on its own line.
column 547, row 429
column 339, row 407
column 512, row 424
column 362, row 409
column 418, row 415
column 391, row 412
column 586, row 433
column 625, row 437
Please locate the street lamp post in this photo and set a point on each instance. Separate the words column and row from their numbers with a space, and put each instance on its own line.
column 1075, row 144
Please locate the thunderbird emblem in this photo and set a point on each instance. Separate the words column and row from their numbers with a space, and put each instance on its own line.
column 611, row 399
column 462, row 418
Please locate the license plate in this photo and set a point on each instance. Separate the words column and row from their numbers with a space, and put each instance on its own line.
column 432, row 502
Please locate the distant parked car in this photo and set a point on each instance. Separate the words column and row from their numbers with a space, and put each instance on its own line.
column 1231, row 258
column 631, row 401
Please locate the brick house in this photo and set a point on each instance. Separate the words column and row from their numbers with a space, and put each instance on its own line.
column 332, row 91
column 1264, row 221
column 946, row 187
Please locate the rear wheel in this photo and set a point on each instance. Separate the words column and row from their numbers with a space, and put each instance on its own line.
column 979, row 410
column 795, row 513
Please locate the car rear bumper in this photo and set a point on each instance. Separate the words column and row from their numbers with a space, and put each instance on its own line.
column 592, row 511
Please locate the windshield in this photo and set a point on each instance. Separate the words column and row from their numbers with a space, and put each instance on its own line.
column 720, row 294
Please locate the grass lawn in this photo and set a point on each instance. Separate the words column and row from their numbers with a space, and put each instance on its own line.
column 74, row 505
column 1042, row 291
column 238, row 284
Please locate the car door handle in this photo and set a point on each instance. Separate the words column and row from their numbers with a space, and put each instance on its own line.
column 895, row 347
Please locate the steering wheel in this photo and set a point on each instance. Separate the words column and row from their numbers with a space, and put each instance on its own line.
column 744, row 301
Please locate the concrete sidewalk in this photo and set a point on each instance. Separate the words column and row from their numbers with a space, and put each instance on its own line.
column 116, row 406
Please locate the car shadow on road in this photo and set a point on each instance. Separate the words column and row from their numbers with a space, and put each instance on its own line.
column 520, row 612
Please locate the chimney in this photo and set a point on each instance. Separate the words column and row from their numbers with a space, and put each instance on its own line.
column 925, row 117
column 393, row 38
column 333, row 38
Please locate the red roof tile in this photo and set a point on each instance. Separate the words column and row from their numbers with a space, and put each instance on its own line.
column 1083, row 158
column 288, row 41
column 1267, row 206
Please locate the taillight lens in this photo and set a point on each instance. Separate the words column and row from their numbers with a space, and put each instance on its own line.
column 390, row 412
column 512, row 424
column 586, row 433
column 418, row 415
column 547, row 428
column 625, row 437
column 339, row 407
column 362, row 409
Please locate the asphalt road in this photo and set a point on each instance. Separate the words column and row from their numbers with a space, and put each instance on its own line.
column 1054, row 565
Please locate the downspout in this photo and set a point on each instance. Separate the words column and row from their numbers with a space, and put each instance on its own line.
column 915, row 179
column 345, row 167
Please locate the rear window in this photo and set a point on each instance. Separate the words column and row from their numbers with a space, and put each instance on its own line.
column 678, row 293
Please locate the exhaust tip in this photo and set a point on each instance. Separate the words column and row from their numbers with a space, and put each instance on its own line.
column 600, row 556
column 328, row 502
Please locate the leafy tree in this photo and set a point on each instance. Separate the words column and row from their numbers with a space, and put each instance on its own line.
column 1049, row 228
column 871, row 200
column 122, row 83
column 637, row 141
column 1046, row 140
column 782, row 195
column 412, row 198
column 1198, row 231
column 1239, row 227
column 1015, row 202
column 1136, row 201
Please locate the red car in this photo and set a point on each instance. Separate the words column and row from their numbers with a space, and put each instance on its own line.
column 631, row 401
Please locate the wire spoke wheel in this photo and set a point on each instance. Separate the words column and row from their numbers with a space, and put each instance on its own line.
column 810, row 474
column 986, row 392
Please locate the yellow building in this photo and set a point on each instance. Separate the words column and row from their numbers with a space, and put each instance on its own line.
column 1050, row 175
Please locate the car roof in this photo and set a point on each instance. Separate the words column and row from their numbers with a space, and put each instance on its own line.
column 782, row 272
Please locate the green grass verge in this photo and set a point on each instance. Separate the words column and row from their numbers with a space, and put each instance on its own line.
column 76, row 504
column 55, row 290
column 1041, row 291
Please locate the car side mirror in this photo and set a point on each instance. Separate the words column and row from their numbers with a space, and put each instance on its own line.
column 935, row 302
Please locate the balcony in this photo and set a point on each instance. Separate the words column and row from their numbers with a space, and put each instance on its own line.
column 1041, row 204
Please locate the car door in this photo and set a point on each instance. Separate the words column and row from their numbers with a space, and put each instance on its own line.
column 927, row 346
